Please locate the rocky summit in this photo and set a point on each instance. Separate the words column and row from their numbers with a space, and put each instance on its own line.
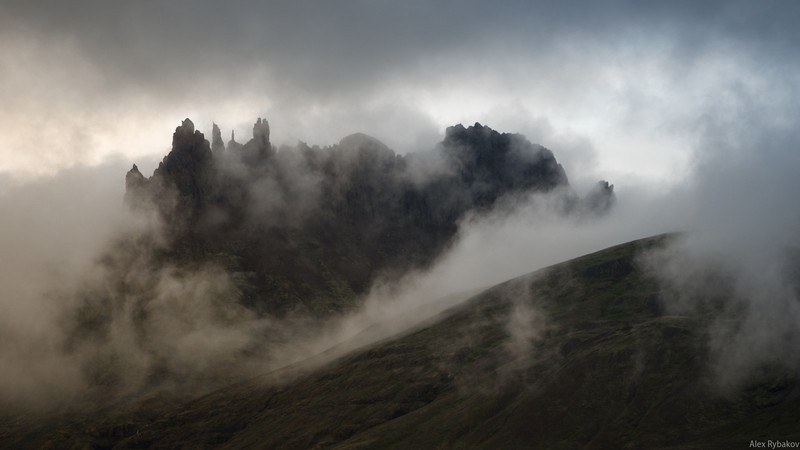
column 248, row 248
column 286, row 219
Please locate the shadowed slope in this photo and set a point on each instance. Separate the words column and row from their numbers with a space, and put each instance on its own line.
column 577, row 355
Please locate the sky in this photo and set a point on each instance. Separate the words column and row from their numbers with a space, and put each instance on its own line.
column 619, row 90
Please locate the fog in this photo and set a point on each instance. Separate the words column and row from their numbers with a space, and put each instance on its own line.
column 740, row 257
column 52, row 231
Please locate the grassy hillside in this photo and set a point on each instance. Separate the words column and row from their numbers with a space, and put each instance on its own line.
column 581, row 354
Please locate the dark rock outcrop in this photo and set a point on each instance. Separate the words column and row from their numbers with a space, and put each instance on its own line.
column 233, row 146
column 136, row 192
column 502, row 161
column 217, row 146
column 489, row 164
column 188, row 171
column 313, row 227
column 600, row 199
column 259, row 149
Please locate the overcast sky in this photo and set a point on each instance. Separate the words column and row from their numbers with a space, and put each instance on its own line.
column 624, row 91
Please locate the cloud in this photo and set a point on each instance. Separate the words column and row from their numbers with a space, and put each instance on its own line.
column 739, row 259
column 114, row 78
column 51, row 232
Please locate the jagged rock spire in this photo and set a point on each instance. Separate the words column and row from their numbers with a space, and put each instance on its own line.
column 600, row 199
column 187, row 125
column 217, row 146
column 233, row 146
column 188, row 166
column 258, row 149
column 133, row 178
column 135, row 187
column 261, row 133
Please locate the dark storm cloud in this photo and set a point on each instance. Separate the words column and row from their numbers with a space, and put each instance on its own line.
column 332, row 48
column 320, row 70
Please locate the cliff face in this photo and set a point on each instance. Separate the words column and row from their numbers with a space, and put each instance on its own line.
column 311, row 228
column 217, row 146
column 136, row 187
column 189, row 166
column 183, row 181
column 501, row 163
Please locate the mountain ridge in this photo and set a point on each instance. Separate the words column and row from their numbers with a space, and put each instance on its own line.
column 383, row 212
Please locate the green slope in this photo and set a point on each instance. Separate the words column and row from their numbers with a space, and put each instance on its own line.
column 606, row 368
